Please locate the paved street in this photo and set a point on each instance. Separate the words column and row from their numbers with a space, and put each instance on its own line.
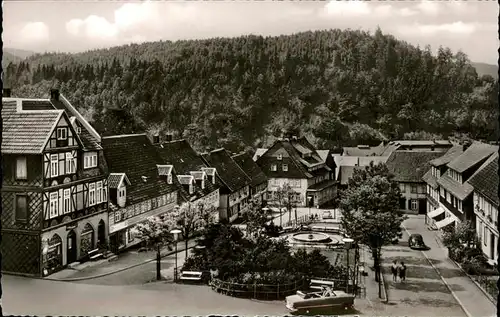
column 424, row 293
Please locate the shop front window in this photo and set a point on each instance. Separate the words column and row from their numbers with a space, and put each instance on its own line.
column 87, row 240
column 54, row 253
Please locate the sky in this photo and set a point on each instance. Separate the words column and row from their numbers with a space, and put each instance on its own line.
column 73, row 26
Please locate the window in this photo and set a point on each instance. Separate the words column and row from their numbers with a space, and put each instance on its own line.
column 442, row 192
column 67, row 201
column 460, row 205
column 91, row 194
column 169, row 179
column 54, row 197
column 285, row 167
column 78, row 130
column 62, row 133
column 414, row 204
column 448, row 197
column 70, row 164
column 54, row 165
column 117, row 216
column 413, row 188
column 21, row 208
column 280, row 157
column 402, row 188
column 274, row 167
column 104, row 194
column 21, row 168
column 99, row 192
column 485, row 235
column 89, row 159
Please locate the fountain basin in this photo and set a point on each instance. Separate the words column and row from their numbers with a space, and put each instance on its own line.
column 312, row 237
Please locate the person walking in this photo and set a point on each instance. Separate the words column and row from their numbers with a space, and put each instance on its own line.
column 402, row 272
column 395, row 269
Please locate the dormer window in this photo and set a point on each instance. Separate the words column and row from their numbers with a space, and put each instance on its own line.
column 78, row 130
column 280, row 157
column 274, row 167
column 62, row 134
column 89, row 159
column 285, row 167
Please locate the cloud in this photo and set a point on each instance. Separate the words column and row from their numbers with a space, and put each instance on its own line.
column 93, row 27
column 34, row 32
column 459, row 28
column 429, row 7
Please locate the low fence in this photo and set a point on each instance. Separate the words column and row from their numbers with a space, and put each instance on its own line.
column 257, row 291
column 302, row 220
column 489, row 284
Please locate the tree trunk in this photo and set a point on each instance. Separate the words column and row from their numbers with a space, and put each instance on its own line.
column 186, row 241
column 296, row 220
column 158, row 263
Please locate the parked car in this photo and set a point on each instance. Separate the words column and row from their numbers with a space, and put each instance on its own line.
column 327, row 299
column 416, row 242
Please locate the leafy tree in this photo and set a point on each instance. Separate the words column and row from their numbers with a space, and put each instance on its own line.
column 370, row 209
column 155, row 233
column 188, row 218
column 255, row 218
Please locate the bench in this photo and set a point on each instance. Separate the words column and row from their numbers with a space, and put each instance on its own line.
column 318, row 284
column 191, row 276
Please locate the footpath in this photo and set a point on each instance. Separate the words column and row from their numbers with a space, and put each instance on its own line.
column 465, row 292
column 125, row 261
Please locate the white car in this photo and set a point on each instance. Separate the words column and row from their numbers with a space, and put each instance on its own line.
column 306, row 302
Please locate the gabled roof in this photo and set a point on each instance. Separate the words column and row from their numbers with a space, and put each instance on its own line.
column 410, row 166
column 473, row 155
column 115, row 180
column 185, row 179
column 185, row 160
column 135, row 156
column 430, row 179
column 449, row 156
column 26, row 131
column 485, row 180
column 461, row 191
column 164, row 170
column 227, row 169
column 250, row 168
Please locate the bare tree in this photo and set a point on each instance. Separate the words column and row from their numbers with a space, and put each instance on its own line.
column 155, row 232
column 188, row 218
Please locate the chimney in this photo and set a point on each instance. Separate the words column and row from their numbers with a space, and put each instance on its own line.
column 169, row 137
column 156, row 139
column 6, row 92
column 54, row 94
column 466, row 145
column 294, row 137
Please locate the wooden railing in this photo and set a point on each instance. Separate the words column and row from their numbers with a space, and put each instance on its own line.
column 257, row 291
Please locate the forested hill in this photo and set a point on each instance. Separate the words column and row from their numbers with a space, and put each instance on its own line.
column 337, row 87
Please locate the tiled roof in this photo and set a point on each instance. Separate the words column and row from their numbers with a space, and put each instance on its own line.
column 366, row 160
column 185, row 179
column 89, row 142
column 450, row 155
column 250, row 168
column 135, row 156
column 485, row 180
column 473, row 155
column 430, row 179
column 410, row 166
column 185, row 160
column 323, row 154
column 115, row 180
column 461, row 191
column 346, row 173
column 26, row 132
column 227, row 169
column 294, row 170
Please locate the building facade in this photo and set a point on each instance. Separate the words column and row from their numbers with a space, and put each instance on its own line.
column 486, row 202
column 452, row 182
column 408, row 168
column 55, row 191
column 198, row 181
column 258, row 185
column 234, row 183
column 296, row 162
column 140, row 186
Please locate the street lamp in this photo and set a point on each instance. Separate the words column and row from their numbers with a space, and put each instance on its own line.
column 175, row 232
column 309, row 203
column 347, row 245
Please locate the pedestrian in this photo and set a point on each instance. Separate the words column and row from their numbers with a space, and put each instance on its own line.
column 402, row 272
column 394, row 270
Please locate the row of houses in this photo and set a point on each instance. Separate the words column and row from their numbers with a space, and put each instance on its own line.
column 449, row 183
column 67, row 191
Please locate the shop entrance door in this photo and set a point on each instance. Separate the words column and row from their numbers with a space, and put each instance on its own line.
column 71, row 248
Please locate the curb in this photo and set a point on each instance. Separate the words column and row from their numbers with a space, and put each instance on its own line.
column 83, row 278
column 442, row 279
column 492, row 300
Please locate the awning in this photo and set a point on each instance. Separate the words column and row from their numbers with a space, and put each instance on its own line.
column 443, row 223
column 435, row 213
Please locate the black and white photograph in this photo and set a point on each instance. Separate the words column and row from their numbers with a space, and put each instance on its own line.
column 250, row 158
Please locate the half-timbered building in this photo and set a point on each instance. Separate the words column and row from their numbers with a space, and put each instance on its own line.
column 54, row 193
column 258, row 185
column 140, row 186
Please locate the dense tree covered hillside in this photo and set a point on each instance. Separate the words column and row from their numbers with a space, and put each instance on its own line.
column 338, row 87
